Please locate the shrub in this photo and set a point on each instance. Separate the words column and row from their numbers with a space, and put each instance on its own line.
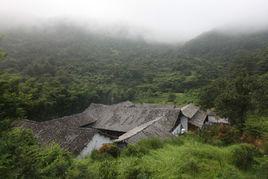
column 228, row 172
column 220, row 135
column 262, row 168
column 108, row 169
column 80, row 169
column 256, row 126
column 136, row 171
column 22, row 157
column 55, row 162
column 229, row 134
column 110, row 149
column 143, row 147
column 265, row 147
column 105, row 152
column 152, row 143
column 175, row 141
column 96, row 155
column 204, row 153
column 19, row 154
column 135, row 150
column 191, row 166
column 243, row 155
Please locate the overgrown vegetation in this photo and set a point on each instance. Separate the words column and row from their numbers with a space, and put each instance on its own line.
column 22, row 157
column 63, row 69
column 184, row 156
column 64, row 79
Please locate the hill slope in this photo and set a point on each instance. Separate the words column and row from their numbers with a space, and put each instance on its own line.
column 60, row 69
column 225, row 44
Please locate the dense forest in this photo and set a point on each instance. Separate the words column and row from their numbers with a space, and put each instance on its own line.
column 73, row 67
column 58, row 70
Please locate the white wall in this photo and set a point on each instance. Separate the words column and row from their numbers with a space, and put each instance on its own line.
column 95, row 143
column 183, row 125
column 177, row 130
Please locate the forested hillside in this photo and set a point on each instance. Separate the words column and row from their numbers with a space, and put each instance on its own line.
column 61, row 69
column 225, row 44
column 58, row 70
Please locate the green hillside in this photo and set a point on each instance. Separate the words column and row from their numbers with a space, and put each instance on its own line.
column 59, row 70
column 186, row 156
column 225, row 44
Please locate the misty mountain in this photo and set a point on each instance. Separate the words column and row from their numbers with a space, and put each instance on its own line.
column 71, row 42
column 221, row 44
column 62, row 68
column 66, row 62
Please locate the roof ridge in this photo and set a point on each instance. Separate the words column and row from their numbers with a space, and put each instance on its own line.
column 137, row 129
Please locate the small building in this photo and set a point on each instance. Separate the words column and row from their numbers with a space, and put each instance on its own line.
column 214, row 119
column 121, row 123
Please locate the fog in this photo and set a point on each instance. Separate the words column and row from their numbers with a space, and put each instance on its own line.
column 159, row 20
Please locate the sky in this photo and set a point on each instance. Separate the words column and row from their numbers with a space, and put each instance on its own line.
column 164, row 20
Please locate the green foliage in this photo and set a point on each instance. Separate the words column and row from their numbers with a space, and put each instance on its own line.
column 96, row 155
column 151, row 143
column 243, row 91
column 80, row 169
column 162, row 98
column 171, row 97
column 261, row 168
column 191, row 166
column 220, row 135
column 229, row 172
column 230, row 98
column 12, row 101
column 134, row 170
column 174, row 141
column 224, row 45
column 22, row 157
column 54, row 162
column 142, row 147
column 105, row 152
column 5, row 125
column 65, row 79
column 257, row 126
column 18, row 149
column 190, row 159
column 2, row 55
column 233, row 97
column 135, row 150
column 243, row 156
column 235, row 101
column 107, row 169
column 110, row 149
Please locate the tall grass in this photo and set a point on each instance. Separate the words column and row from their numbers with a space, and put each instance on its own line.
column 183, row 157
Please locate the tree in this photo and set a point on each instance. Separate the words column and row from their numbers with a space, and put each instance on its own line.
column 22, row 157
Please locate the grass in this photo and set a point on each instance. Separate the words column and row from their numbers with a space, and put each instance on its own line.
column 184, row 157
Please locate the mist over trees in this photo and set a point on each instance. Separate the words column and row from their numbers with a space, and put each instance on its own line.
column 52, row 71
column 57, row 57
column 57, row 70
